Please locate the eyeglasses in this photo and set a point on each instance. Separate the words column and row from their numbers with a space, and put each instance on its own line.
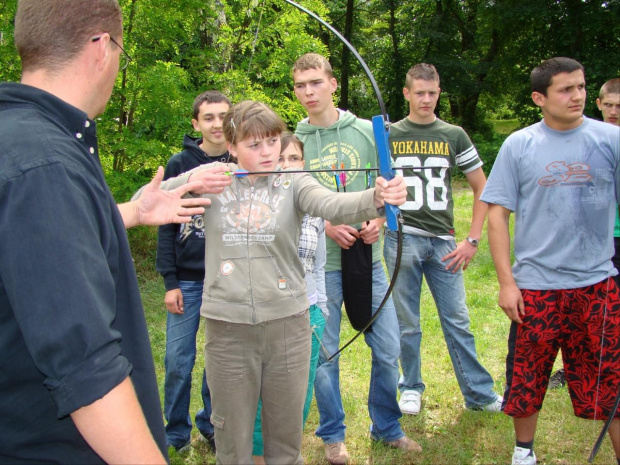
column 126, row 58
column 290, row 159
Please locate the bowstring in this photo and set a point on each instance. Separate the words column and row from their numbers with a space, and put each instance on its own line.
column 385, row 115
column 260, row 17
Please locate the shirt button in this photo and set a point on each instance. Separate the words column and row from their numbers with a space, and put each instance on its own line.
column 79, row 135
column 87, row 124
column 92, row 150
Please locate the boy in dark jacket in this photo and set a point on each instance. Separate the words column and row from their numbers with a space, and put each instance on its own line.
column 180, row 260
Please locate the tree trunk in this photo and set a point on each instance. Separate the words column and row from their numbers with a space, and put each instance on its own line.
column 119, row 155
column 346, row 56
column 396, row 99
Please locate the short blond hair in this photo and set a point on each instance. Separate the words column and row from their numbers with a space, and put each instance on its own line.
column 423, row 71
column 313, row 61
column 610, row 87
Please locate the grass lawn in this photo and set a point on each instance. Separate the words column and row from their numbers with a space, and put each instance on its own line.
column 505, row 126
column 448, row 432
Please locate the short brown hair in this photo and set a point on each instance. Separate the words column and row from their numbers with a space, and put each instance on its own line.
column 422, row 71
column 313, row 61
column 209, row 96
column 51, row 33
column 251, row 119
column 610, row 87
column 289, row 138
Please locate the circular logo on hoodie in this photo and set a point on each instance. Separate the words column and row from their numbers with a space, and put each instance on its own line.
column 336, row 156
column 227, row 267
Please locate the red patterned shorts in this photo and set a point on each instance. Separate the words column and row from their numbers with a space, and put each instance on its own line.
column 585, row 323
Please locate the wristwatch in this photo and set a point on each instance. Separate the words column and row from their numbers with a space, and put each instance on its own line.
column 473, row 242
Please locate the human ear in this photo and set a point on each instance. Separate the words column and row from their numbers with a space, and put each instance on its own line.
column 333, row 84
column 538, row 98
column 231, row 149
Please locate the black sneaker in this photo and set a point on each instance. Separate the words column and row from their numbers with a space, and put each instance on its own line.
column 557, row 380
column 182, row 450
column 210, row 438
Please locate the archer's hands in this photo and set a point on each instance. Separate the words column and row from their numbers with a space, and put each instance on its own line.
column 393, row 192
column 174, row 301
column 511, row 302
column 343, row 234
column 212, row 180
column 461, row 256
column 156, row 206
column 371, row 231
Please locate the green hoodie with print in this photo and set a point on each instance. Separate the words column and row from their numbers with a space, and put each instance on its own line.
column 348, row 143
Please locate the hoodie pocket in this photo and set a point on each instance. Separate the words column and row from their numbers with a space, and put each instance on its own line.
column 230, row 283
column 274, row 282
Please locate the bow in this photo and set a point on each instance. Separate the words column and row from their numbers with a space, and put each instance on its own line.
column 612, row 412
column 380, row 126
column 599, row 440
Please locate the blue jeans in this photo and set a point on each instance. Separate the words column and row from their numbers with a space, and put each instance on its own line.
column 181, row 333
column 383, row 342
column 422, row 257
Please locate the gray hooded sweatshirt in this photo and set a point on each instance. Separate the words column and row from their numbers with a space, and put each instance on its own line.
column 252, row 271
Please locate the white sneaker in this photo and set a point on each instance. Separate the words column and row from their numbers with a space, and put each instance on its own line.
column 495, row 406
column 522, row 456
column 410, row 402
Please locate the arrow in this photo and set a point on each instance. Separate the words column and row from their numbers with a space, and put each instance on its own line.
column 242, row 173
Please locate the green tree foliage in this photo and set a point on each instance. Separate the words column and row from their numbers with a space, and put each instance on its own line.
column 459, row 37
column 185, row 47
column 484, row 50
column 586, row 30
column 10, row 65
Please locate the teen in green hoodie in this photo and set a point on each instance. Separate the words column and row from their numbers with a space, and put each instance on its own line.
column 338, row 139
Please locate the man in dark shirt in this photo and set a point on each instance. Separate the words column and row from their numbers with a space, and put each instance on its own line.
column 77, row 381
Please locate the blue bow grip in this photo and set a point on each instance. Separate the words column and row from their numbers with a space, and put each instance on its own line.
column 381, row 134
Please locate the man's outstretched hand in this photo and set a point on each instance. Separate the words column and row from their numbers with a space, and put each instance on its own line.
column 156, row 206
